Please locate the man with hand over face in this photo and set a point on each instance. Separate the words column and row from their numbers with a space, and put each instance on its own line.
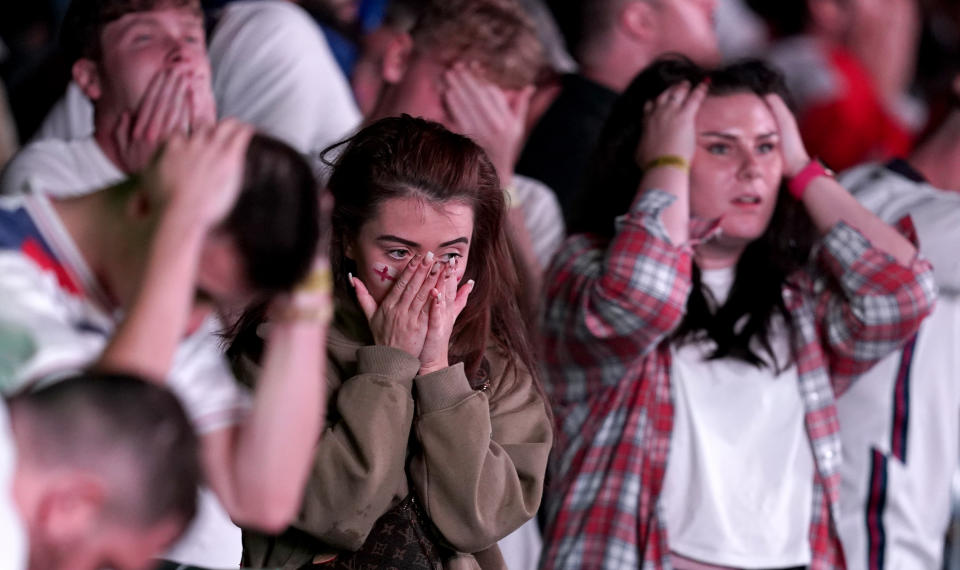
column 144, row 65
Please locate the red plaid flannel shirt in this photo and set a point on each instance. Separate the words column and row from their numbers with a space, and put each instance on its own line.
column 610, row 306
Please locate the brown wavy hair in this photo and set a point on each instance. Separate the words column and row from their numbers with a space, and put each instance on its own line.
column 767, row 265
column 497, row 34
column 403, row 156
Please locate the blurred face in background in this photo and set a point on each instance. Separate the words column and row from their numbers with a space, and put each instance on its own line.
column 138, row 47
column 687, row 27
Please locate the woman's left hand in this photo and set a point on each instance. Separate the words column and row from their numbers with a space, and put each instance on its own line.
column 446, row 305
column 795, row 156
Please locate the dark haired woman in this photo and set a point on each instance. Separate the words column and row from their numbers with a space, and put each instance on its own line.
column 695, row 344
column 438, row 432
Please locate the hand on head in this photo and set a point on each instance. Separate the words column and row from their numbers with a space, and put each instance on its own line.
column 484, row 112
column 795, row 155
column 200, row 175
column 669, row 123
column 177, row 100
column 418, row 313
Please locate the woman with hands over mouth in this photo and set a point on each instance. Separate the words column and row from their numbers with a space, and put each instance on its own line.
column 700, row 325
column 437, row 426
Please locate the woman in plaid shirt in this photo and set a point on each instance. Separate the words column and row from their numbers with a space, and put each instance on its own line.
column 696, row 343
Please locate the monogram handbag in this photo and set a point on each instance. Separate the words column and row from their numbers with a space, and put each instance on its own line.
column 402, row 539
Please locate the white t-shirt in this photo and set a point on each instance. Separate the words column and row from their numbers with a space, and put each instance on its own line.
column 900, row 422
column 62, row 169
column 935, row 214
column 71, row 117
column 738, row 489
column 273, row 68
column 57, row 321
column 13, row 535
column 541, row 216
column 521, row 548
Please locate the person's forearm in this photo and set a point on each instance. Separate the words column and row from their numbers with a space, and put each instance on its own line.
column 156, row 319
column 829, row 203
column 274, row 447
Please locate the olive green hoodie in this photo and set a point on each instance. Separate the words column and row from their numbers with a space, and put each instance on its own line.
column 477, row 470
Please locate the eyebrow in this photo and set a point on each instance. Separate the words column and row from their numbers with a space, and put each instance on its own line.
column 136, row 21
column 462, row 240
column 408, row 243
column 396, row 239
column 144, row 19
column 727, row 136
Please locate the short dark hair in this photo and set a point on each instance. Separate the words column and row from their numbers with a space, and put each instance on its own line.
column 276, row 220
column 116, row 425
column 85, row 19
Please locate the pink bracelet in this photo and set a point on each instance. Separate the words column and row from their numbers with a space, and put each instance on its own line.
column 799, row 183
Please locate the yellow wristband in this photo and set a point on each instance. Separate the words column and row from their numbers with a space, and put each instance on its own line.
column 668, row 160
column 320, row 315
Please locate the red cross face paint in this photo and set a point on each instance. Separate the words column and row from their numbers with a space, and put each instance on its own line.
column 384, row 272
column 405, row 228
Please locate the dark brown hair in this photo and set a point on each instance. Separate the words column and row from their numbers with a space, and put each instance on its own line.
column 85, row 19
column 766, row 265
column 276, row 219
column 403, row 156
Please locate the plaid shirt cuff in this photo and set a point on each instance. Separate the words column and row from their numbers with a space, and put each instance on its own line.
column 645, row 212
column 845, row 244
column 857, row 263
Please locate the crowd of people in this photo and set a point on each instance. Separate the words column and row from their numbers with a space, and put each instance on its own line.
column 493, row 284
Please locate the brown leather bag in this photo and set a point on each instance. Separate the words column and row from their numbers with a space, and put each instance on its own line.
column 403, row 539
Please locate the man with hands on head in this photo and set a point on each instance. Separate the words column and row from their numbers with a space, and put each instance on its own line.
column 136, row 278
column 144, row 65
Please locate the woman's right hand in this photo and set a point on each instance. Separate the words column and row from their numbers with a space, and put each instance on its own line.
column 669, row 123
column 401, row 318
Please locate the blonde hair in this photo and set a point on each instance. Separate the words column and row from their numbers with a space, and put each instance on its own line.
column 496, row 34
